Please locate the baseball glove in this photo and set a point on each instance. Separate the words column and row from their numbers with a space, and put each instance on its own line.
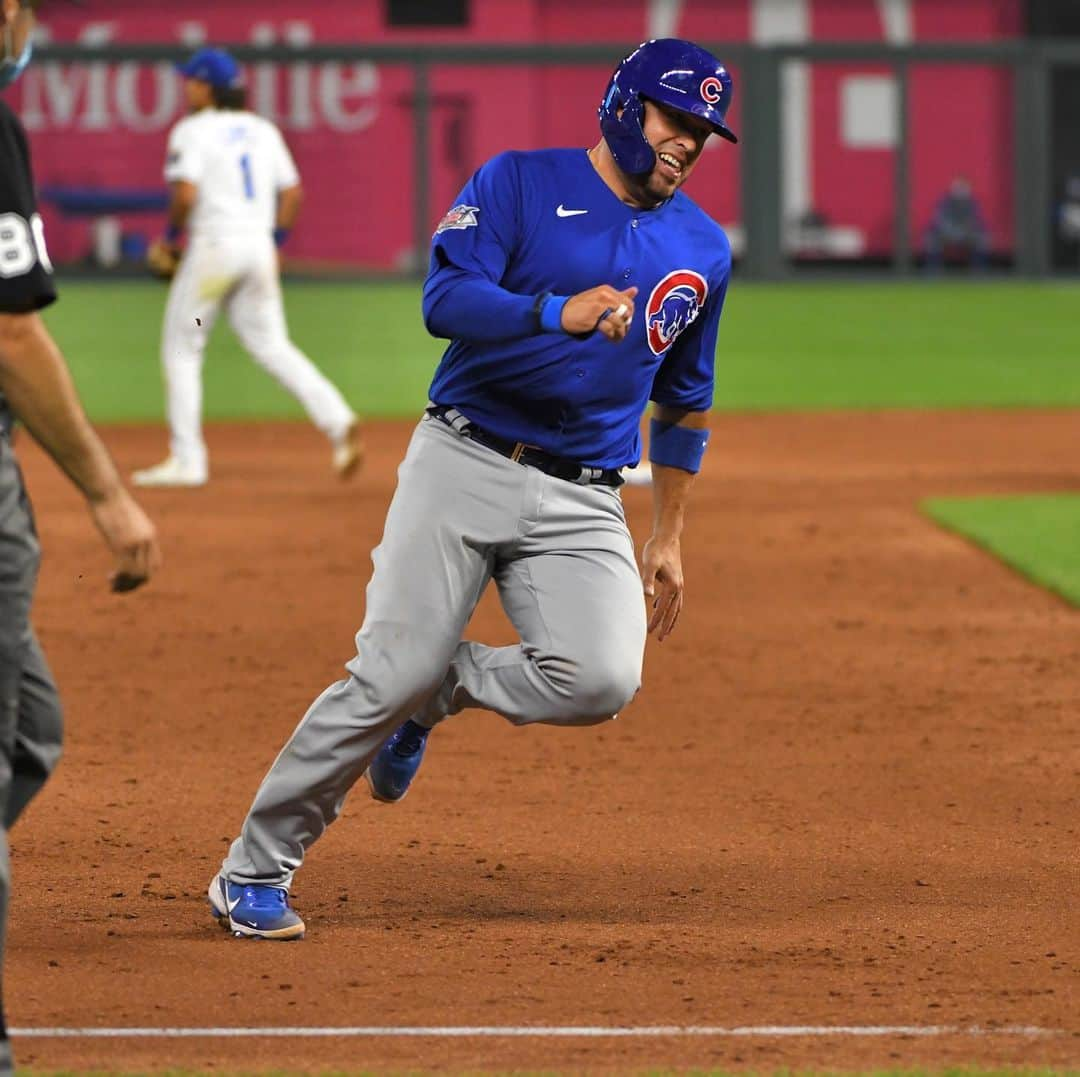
column 162, row 259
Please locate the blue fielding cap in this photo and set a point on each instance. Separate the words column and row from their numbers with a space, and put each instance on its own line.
column 214, row 66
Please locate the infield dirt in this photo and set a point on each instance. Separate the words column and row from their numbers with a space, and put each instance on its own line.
column 847, row 793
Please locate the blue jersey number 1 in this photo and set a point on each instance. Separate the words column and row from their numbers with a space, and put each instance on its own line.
column 249, row 182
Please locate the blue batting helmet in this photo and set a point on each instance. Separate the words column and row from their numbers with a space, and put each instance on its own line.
column 671, row 72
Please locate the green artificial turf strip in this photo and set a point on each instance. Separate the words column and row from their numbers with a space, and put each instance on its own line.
column 1036, row 534
column 800, row 346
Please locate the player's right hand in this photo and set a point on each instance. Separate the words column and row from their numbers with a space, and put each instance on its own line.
column 130, row 536
column 605, row 309
column 163, row 259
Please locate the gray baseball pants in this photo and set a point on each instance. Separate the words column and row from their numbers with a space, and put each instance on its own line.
column 31, row 724
column 563, row 560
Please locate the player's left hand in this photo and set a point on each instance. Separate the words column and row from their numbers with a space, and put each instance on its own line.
column 662, row 576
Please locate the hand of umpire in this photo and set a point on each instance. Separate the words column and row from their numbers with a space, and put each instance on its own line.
column 604, row 308
column 130, row 536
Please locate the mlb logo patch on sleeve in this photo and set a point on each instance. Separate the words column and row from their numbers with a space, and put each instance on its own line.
column 459, row 218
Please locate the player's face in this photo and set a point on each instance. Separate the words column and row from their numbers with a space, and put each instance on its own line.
column 678, row 139
column 16, row 24
column 198, row 94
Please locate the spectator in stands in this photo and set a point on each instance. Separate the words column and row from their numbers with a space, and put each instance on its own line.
column 809, row 235
column 1068, row 220
column 957, row 228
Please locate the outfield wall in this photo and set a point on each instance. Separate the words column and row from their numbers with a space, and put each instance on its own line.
column 102, row 127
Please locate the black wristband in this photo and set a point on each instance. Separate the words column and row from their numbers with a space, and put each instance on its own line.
column 537, row 310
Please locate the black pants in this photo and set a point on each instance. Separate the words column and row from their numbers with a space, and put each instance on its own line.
column 31, row 722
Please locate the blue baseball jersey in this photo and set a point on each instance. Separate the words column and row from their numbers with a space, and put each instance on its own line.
column 528, row 223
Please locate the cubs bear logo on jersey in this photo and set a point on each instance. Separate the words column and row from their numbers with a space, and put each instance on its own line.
column 673, row 306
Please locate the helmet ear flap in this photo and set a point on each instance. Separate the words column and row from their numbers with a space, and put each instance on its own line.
column 634, row 115
column 625, row 134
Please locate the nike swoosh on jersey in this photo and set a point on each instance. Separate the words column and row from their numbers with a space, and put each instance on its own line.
column 559, row 211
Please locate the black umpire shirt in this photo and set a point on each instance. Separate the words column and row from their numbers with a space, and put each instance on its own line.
column 26, row 280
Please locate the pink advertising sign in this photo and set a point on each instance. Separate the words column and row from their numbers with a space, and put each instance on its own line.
column 103, row 128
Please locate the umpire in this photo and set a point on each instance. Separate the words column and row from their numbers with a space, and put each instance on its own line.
column 36, row 389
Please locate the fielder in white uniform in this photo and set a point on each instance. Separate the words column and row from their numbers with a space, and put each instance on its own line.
column 235, row 188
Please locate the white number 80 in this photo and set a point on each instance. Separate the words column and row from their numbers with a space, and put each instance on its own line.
column 22, row 245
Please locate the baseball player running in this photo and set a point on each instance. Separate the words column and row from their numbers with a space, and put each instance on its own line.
column 573, row 286
column 236, row 189
column 35, row 387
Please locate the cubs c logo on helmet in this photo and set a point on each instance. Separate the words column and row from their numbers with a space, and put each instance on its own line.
column 673, row 306
column 712, row 89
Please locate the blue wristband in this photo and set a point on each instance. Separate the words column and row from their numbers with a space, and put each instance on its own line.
column 173, row 233
column 280, row 235
column 551, row 313
column 671, row 445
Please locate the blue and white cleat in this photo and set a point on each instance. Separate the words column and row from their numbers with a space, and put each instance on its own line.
column 391, row 772
column 254, row 912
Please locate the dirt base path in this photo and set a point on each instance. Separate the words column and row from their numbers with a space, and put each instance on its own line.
column 846, row 795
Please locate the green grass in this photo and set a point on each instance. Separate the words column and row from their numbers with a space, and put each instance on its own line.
column 367, row 338
column 1036, row 534
column 933, row 344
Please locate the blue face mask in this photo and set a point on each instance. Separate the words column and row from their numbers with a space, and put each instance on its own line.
column 11, row 67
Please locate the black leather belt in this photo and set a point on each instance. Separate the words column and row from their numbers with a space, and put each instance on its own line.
column 529, row 455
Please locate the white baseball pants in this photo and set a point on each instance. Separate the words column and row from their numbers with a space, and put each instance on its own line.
column 239, row 272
